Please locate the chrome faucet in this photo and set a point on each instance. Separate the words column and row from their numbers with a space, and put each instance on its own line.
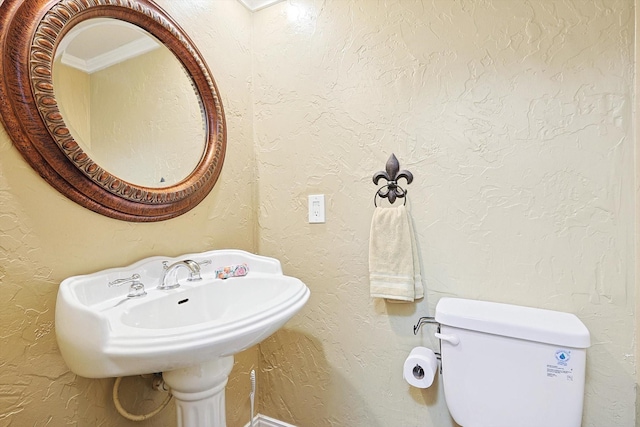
column 192, row 266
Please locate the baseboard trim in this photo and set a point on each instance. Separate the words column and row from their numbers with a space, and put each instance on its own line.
column 264, row 421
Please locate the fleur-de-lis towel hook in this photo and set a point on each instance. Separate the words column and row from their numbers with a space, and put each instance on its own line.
column 391, row 190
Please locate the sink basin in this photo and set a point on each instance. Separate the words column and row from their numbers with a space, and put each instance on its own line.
column 103, row 333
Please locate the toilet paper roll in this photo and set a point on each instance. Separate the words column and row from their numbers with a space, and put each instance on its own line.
column 420, row 367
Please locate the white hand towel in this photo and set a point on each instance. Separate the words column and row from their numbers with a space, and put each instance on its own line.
column 394, row 269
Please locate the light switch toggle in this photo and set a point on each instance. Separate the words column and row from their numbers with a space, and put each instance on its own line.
column 316, row 208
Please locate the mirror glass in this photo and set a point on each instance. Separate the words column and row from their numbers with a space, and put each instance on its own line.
column 129, row 103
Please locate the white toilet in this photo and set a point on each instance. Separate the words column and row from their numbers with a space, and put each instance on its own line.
column 511, row 366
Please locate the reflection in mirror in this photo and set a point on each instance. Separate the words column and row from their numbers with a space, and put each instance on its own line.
column 129, row 103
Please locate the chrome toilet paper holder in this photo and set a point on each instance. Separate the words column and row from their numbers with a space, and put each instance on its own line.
column 424, row 321
column 429, row 320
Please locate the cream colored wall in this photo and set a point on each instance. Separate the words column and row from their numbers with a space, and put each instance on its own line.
column 44, row 238
column 515, row 118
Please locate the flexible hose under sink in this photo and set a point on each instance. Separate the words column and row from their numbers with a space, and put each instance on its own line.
column 133, row 417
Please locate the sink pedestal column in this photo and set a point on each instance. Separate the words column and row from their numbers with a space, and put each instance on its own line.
column 199, row 392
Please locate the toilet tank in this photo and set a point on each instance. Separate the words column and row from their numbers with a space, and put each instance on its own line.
column 505, row 365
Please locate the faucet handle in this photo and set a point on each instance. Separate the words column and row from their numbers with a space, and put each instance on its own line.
column 134, row 278
column 194, row 269
column 135, row 290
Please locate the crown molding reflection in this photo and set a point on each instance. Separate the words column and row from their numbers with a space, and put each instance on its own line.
column 255, row 5
column 115, row 56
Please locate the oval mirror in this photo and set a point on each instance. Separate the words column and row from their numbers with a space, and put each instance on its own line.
column 112, row 104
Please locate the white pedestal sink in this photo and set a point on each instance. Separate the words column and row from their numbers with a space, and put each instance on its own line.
column 190, row 333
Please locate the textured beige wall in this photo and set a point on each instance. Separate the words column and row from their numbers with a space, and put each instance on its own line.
column 515, row 118
column 44, row 238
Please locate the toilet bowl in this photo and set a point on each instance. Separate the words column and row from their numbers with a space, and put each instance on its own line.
column 505, row 365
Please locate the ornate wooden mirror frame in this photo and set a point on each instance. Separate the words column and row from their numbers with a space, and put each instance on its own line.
column 31, row 32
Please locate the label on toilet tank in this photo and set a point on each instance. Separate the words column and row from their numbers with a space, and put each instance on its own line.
column 561, row 366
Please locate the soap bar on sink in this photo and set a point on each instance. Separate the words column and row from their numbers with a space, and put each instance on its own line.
column 237, row 270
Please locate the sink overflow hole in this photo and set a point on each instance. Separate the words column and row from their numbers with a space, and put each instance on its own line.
column 182, row 301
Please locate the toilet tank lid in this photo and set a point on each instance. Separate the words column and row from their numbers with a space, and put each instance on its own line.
column 532, row 324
